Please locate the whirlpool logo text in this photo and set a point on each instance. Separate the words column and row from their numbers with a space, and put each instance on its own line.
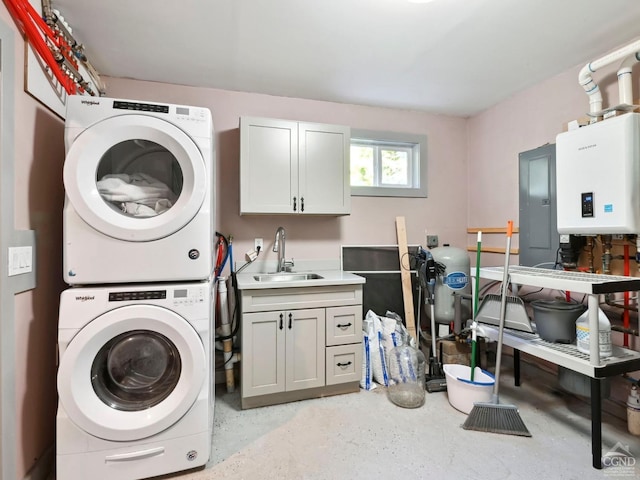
column 85, row 298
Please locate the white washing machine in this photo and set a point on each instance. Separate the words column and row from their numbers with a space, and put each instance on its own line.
column 135, row 384
column 138, row 179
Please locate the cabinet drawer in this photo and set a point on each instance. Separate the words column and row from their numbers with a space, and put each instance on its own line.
column 344, row 325
column 344, row 363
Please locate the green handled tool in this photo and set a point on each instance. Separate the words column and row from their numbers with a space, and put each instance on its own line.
column 476, row 301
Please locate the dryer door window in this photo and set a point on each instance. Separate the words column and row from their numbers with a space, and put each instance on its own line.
column 136, row 178
column 139, row 178
column 132, row 372
column 136, row 370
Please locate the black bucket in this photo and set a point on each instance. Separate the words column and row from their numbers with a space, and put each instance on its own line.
column 556, row 320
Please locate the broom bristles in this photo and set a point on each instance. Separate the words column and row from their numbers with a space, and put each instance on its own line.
column 496, row 418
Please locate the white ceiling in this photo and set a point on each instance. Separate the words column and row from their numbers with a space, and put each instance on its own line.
column 456, row 57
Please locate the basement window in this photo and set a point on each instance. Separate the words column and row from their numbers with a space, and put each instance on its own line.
column 388, row 164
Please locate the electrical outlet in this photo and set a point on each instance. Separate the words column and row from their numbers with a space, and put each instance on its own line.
column 258, row 244
column 432, row 241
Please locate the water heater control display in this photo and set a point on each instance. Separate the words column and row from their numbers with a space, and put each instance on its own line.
column 587, row 204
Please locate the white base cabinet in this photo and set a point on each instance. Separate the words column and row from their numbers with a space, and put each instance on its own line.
column 285, row 349
column 291, row 352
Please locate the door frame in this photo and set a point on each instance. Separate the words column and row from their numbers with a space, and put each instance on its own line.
column 8, row 452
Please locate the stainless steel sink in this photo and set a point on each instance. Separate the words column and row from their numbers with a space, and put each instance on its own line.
column 286, row 277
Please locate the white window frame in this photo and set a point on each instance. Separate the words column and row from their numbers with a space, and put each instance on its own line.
column 414, row 143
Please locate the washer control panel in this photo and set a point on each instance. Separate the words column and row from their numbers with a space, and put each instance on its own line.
column 188, row 296
column 177, row 296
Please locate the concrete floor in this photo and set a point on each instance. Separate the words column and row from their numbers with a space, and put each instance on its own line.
column 363, row 435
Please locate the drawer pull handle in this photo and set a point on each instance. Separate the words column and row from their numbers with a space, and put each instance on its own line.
column 343, row 325
column 281, row 322
column 343, row 365
column 132, row 456
column 290, row 315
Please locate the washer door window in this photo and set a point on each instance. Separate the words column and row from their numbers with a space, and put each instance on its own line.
column 132, row 373
column 136, row 370
column 135, row 177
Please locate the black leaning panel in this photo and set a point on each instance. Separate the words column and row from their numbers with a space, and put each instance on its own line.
column 372, row 258
column 380, row 265
column 383, row 292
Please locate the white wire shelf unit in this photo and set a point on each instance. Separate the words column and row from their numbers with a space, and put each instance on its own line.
column 622, row 360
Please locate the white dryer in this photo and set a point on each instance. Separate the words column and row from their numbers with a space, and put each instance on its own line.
column 138, row 180
column 135, row 384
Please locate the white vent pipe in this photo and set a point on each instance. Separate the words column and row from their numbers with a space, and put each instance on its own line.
column 591, row 87
column 625, row 87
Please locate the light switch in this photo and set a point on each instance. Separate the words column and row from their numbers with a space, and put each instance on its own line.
column 20, row 260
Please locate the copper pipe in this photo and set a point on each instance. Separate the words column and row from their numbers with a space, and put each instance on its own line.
column 625, row 313
column 606, row 254
column 590, row 253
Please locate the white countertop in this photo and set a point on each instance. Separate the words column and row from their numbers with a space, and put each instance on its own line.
column 247, row 281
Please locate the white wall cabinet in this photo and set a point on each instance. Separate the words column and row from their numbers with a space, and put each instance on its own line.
column 300, row 343
column 289, row 167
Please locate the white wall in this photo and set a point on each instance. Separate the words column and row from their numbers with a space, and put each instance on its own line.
column 523, row 122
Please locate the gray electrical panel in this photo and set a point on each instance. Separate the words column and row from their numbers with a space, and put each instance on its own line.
column 539, row 239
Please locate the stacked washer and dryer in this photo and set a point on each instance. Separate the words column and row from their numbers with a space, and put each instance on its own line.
column 135, row 377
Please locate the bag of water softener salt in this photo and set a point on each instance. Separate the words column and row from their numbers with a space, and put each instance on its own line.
column 401, row 332
column 366, row 380
column 372, row 327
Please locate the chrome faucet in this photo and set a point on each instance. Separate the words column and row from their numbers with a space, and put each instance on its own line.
column 278, row 246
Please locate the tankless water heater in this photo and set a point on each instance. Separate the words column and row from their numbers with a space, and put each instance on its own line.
column 598, row 177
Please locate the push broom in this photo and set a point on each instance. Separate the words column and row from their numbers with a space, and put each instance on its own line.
column 494, row 416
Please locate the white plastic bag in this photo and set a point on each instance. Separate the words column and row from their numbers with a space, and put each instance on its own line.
column 366, row 380
column 373, row 329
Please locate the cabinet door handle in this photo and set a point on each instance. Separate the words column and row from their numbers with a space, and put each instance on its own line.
column 302, row 204
column 290, row 315
column 295, row 205
column 343, row 325
column 281, row 322
column 342, row 365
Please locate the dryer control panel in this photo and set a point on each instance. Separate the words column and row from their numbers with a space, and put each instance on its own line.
column 177, row 296
column 137, row 295
column 141, row 107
